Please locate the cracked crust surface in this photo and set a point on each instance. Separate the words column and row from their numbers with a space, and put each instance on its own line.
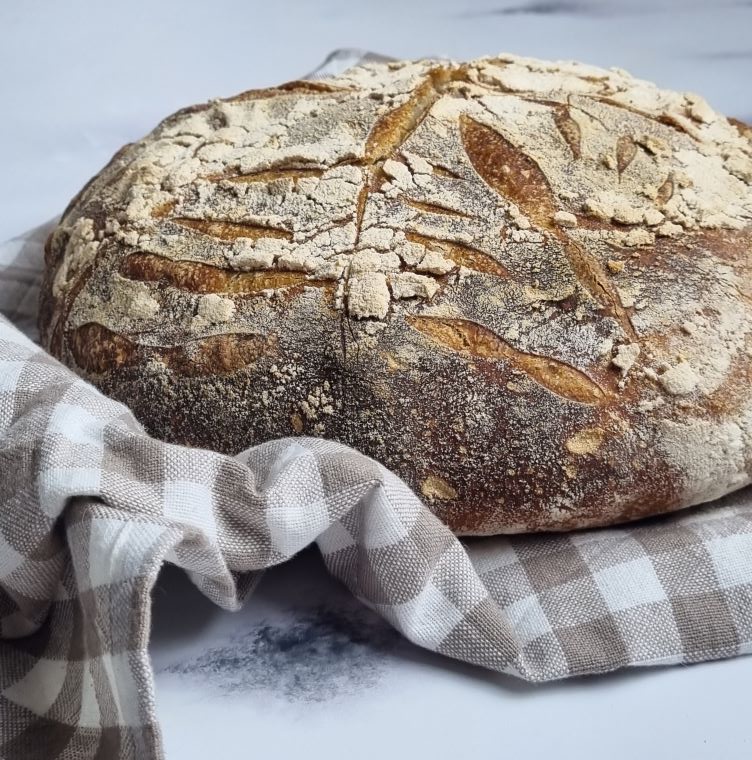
column 524, row 286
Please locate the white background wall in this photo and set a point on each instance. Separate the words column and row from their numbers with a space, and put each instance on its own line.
column 80, row 77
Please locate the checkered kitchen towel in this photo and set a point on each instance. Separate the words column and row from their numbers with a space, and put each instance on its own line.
column 91, row 507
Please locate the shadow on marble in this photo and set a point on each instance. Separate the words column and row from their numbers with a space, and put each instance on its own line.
column 303, row 638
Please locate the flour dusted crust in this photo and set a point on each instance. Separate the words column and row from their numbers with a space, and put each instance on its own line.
column 524, row 286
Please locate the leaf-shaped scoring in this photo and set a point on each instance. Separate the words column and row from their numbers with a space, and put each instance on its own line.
column 207, row 278
column 98, row 349
column 568, row 128
column 462, row 255
column 394, row 128
column 478, row 341
column 665, row 191
column 225, row 230
column 516, row 176
column 626, row 150
column 508, row 171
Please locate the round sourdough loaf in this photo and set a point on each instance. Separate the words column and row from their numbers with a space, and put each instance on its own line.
column 525, row 287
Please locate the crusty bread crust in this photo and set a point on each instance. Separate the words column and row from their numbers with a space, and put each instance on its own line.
column 526, row 287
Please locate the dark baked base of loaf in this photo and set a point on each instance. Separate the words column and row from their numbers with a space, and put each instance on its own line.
column 224, row 413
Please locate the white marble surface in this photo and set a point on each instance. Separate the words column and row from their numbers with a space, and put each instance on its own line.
column 303, row 669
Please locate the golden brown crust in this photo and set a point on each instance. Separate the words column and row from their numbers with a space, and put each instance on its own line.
column 459, row 335
column 525, row 287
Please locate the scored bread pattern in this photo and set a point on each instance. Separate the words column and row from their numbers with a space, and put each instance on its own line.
column 568, row 128
column 221, row 354
column 558, row 377
column 459, row 253
column 534, row 251
column 232, row 230
column 206, row 278
column 518, row 178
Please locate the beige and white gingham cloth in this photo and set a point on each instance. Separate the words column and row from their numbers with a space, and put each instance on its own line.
column 91, row 507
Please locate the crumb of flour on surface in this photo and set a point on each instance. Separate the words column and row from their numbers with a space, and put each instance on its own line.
column 586, row 441
column 625, row 356
column 435, row 487
column 679, row 379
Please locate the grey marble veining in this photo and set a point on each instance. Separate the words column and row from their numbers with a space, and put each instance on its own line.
column 322, row 648
column 310, row 656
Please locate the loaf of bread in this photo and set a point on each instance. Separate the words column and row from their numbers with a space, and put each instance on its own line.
column 525, row 287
